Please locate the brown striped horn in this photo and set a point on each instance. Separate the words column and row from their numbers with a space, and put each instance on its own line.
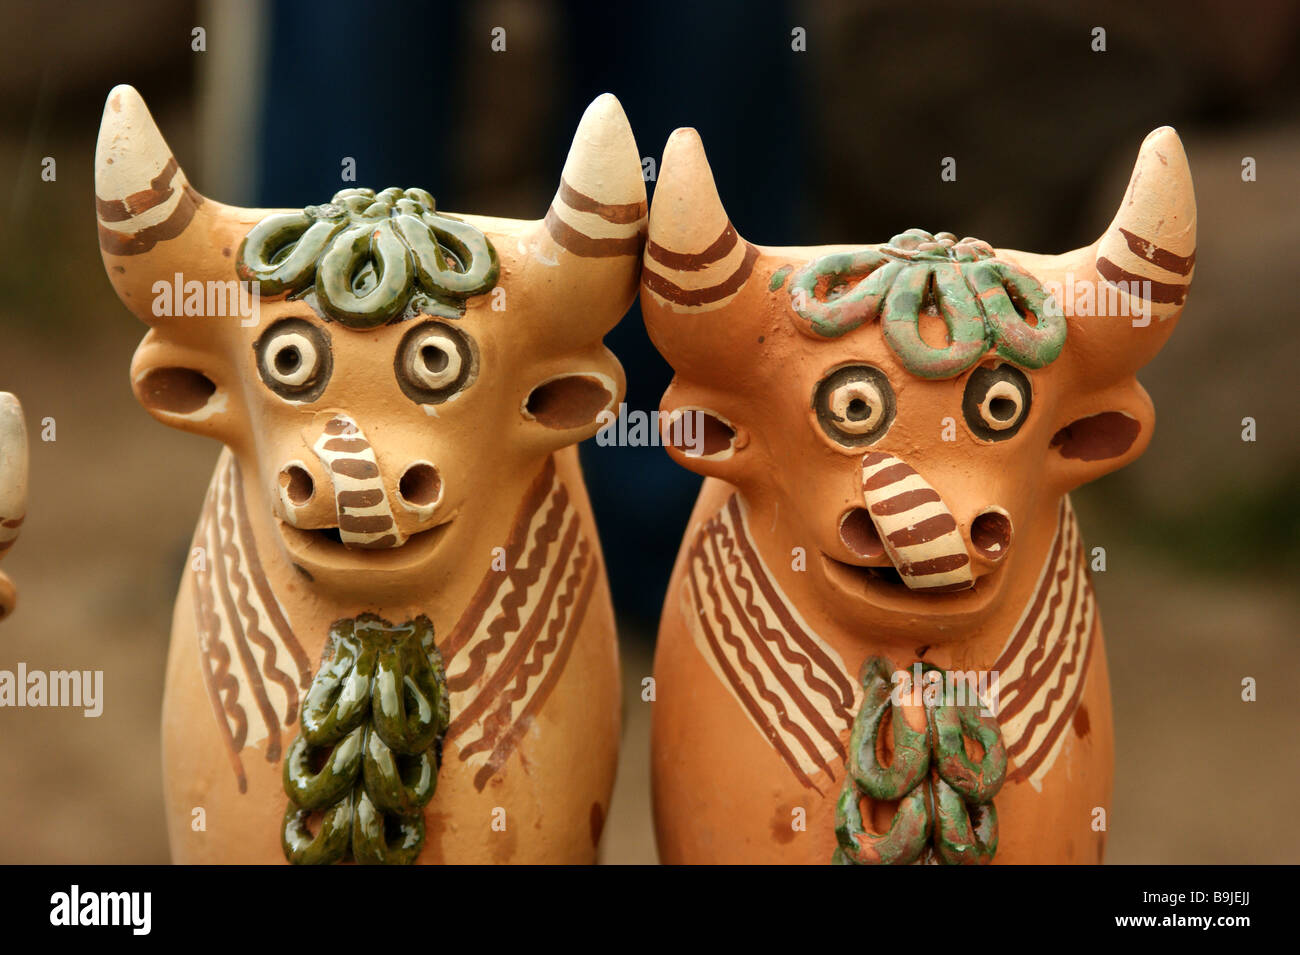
column 152, row 223
column 694, row 261
column 585, row 254
column 1138, row 272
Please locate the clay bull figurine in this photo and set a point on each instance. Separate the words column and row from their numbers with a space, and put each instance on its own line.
column 394, row 639
column 880, row 643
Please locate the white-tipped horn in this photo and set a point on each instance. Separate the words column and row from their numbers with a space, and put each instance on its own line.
column 599, row 210
column 695, row 261
column 1149, row 251
column 13, row 469
column 141, row 194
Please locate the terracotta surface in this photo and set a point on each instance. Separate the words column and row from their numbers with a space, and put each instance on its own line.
column 13, row 488
column 804, row 557
column 486, row 528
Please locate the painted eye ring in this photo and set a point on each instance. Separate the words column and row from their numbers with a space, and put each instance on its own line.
column 854, row 405
column 294, row 359
column 858, row 405
column 996, row 401
column 435, row 362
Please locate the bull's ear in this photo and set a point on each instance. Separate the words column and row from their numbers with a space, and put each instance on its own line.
column 572, row 397
column 699, row 435
column 184, row 386
column 152, row 223
column 1100, row 433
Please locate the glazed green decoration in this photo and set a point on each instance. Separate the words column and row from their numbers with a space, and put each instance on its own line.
column 369, row 258
column 981, row 300
column 371, row 743
column 945, row 798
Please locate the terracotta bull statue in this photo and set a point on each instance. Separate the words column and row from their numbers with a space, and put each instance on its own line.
column 13, row 488
column 393, row 642
column 880, row 643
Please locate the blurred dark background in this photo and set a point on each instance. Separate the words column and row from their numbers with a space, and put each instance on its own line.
column 838, row 143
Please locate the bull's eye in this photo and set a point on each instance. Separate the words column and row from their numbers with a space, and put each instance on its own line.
column 434, row 362
column 854, row 405
column 293, row 358
column 996, row 402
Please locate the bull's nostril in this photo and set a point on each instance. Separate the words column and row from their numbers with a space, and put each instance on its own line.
column 990, row 534
column 420, row 485
column 297, row 484
column 858, row 532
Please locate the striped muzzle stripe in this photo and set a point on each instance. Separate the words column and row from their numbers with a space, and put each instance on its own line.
column 918, row 531
column 365, row 516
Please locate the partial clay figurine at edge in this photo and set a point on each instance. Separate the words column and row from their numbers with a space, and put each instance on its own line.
column 393, row 641
column 13, row 488
column 890, row 432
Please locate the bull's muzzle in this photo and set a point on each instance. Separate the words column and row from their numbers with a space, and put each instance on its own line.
column 918, row 532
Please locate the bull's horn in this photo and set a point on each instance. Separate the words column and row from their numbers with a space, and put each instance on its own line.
column 694, row 261
column 1153, row 236
column 152, row 223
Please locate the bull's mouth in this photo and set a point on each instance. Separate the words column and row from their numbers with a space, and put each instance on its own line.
column 884, row 586
column 323, row 546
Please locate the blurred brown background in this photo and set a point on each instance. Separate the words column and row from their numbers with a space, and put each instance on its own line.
column 838, row 143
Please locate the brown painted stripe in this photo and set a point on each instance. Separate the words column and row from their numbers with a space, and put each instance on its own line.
column 1044, row 710
column 936, row 565
column 224, row 527
column 493, row 579
column 5, row 545
column 872, row 458
column 159, row 191
column 1044, row 586
column 1165, row 293
column 1040, row 664
column 581, row 244
column 525, row 720
column 924, row 532
column 701, row 296
column 1171, row 261
column 388, row 540
column 1040, row 754
column 366, row 498
column 882, row 479
column 901, row 503
column 341, row 426
column 737, row 687
column 1018, row 690
column 221, row 685
column 621, row 214
column 15, row 521
column 354, row 468
column 258, row 575
column 351, row 445
column 783, row 678
column 491, row 691
column 522, row 577
column 365, row 523
column 235, row 549
column 121, row 243
column 718, row 249
column 814, row 651
column 527, row 657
